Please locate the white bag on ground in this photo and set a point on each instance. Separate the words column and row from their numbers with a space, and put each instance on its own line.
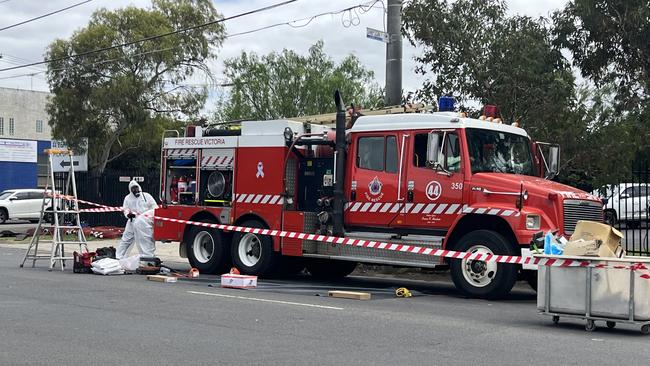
column 107, row 266
column 130, row 263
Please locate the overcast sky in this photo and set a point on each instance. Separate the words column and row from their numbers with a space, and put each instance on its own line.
column 27, row 42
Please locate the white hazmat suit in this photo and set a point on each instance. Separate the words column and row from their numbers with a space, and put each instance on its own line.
column 140, row 227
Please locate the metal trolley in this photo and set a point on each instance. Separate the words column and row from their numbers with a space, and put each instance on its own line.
column 612, row 295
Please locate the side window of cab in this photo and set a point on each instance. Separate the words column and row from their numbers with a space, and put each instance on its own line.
column 450, row 151
column 377, row 153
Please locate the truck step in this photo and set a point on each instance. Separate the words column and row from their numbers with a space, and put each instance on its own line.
column 426, row 241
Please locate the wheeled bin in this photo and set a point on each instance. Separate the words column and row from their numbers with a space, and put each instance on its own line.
column 607, row 289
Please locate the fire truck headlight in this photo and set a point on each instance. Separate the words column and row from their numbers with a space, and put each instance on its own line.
column 288, row 135
column 533, row 222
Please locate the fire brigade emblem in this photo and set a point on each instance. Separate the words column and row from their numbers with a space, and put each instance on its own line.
column 374, row 187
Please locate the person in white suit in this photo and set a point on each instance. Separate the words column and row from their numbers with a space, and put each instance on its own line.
column 139, row 211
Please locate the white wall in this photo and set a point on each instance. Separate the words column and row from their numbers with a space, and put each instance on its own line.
column 25, row 107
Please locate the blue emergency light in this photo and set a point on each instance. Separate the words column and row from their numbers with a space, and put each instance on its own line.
column 446, row 104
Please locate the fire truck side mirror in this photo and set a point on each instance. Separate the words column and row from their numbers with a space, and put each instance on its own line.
column 554, row 160
column 433, row 148
column 549, row 154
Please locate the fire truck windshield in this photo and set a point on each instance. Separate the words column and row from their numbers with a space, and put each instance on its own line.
column 500, row 152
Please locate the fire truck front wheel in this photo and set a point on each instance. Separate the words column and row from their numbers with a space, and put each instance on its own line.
column 252, row 253
column 483, row 279
column 206, row 250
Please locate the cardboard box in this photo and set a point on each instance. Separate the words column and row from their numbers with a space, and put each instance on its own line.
column 238, row 281
column 592, row 238
column 581, row 247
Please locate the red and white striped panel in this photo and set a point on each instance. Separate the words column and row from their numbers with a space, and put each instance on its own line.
column 217, row 158
column 262, row 199
column 181, row 153
column 425, row 208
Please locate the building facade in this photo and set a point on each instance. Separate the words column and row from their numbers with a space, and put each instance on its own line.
column 24, row 134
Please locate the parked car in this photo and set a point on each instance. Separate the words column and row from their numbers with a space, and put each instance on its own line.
column 625, row 202
column 24, row 204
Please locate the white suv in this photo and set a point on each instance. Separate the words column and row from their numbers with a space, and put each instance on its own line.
column 22, row 204
column 627, row 202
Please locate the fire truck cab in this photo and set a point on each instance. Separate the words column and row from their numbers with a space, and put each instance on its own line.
column 436, row 180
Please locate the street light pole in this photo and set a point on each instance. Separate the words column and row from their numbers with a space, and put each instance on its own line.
column 394, row 54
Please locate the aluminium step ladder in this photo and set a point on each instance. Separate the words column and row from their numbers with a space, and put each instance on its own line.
column 59, row 218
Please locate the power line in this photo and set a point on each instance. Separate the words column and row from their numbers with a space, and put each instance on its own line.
column 365, row 7
column 150, row 38
column 89, row 64
column 44, row 15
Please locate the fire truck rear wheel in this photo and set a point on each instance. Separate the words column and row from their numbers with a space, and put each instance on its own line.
column 206, row 250
column 253, row 254
column 483, row 279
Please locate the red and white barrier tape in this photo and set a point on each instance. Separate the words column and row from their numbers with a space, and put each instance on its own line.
column 414, row 249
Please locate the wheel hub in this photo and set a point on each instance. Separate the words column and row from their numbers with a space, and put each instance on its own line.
column 479, row 273
column 250, row 250
column 203, row 247
column 477, row 266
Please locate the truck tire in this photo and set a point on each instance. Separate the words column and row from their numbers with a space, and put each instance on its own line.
column 480, row 279
column 329, row 268
column 206, row 250
column 253, row 254
column 4, row 216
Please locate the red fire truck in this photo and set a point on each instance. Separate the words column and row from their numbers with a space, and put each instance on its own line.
column 439, row 180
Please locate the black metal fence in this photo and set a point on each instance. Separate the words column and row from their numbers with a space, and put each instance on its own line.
column 110, row 190
column 627, row 208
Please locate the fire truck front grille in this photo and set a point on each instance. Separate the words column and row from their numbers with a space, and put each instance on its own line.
column 575, row 210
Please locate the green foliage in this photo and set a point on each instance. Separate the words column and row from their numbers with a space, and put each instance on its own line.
column 140, row 149
column 473, row 51
column 119, row 97
column 287, row 84
column 608, row 40
column 601, row 146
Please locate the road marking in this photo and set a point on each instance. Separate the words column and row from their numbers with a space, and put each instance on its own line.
column 266, row 300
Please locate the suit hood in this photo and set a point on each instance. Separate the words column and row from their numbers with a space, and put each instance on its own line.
column 132, row 184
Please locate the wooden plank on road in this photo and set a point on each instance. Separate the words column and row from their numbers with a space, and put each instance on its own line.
column 350, row 295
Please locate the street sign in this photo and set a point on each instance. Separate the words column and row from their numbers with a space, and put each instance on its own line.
column 127, row 179
column 61, row 163
column 377, row 35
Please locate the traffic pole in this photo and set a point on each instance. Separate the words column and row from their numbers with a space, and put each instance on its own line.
column 394, row 53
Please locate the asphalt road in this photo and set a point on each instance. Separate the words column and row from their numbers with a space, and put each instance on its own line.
column 61, row 318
